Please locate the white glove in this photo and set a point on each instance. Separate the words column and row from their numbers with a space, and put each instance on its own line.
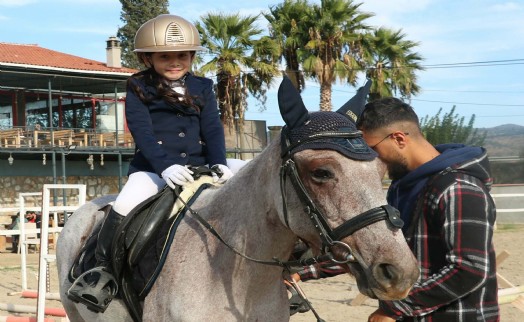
column 226, row 173
column 177, row 174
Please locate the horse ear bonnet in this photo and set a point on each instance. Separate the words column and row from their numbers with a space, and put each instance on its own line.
column 355, row 106
column 302, row 126
column 291, row 106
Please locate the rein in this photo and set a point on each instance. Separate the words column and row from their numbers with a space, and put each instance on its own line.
column 275, row 262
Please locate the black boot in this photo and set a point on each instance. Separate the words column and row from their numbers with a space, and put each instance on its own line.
column 97, row 287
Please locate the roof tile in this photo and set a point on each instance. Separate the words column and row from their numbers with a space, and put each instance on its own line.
column 32, row 54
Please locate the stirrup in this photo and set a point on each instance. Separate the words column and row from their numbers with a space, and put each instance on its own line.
column 296, row 303
column 95, row 293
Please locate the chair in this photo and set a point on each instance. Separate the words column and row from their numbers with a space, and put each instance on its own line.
column 31, row 238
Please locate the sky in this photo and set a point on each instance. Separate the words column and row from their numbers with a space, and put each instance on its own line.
column 473, row 50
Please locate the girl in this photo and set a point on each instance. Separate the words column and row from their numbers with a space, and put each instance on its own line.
column 174, row 119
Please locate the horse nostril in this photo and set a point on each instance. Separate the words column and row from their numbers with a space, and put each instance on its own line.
column 386, row 273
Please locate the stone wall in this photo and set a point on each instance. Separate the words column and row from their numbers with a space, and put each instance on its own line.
column 96, row 186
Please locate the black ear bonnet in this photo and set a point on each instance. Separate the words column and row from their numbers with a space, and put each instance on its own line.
column 320, row 130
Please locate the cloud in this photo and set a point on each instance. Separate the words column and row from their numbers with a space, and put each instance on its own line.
column 15, row 3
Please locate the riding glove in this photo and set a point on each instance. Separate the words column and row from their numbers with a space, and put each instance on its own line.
column 226, row 173
column 177, row 174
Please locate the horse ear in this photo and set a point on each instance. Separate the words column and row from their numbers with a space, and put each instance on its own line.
column 291, row 105
column 355, row 106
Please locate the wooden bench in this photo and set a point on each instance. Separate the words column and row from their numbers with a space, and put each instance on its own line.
column 103, row 139
column 56, row 137
column 60, row 137
column 126, row 139
column 11, row 137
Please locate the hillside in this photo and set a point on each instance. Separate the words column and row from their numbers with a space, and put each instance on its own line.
column 504, row 140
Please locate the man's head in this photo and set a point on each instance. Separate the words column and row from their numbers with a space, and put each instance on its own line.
column 30, row 215
column 392, row 129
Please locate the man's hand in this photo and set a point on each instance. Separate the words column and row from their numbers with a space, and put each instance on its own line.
column 379, row 316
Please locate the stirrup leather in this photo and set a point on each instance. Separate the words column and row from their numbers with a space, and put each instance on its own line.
column 95, row 293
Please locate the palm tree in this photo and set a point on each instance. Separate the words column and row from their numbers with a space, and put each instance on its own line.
column 391, row 63
column 289, row 26
column 242, row 63
column 334, row 50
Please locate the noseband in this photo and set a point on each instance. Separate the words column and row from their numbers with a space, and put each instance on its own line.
column 329, row 237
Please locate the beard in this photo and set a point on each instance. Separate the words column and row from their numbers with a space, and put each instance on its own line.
column 397, row 169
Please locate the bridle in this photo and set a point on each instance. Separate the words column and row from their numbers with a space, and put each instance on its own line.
column 330, row 237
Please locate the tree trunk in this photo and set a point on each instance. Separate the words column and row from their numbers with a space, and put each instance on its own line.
column 325, row 96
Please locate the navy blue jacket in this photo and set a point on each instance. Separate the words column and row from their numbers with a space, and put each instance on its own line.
column 175, row 134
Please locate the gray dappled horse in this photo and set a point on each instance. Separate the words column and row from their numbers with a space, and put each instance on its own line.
column 319, row 183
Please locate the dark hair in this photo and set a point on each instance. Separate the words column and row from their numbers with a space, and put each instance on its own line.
column 384, row 112
column 163, row 90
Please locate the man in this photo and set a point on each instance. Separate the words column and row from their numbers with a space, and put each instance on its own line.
column 442, row 193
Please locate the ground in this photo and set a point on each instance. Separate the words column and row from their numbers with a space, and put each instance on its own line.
column 330, row 297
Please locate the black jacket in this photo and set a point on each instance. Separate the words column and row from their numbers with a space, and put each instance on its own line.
column 175, row 134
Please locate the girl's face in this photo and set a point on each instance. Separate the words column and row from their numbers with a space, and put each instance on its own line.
column 172, row 65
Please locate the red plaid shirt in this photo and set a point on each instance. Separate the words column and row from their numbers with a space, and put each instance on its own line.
column 451, row 236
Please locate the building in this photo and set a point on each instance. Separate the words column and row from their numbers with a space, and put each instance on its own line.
column 62, row 121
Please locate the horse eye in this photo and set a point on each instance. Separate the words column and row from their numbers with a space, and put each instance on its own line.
column 322, row 174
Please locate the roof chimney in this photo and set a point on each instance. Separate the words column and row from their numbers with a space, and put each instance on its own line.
column 113, row 52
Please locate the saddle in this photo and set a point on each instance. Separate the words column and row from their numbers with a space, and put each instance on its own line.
column 142, row 241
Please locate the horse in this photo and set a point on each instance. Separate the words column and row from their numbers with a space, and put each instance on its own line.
column 332, row 202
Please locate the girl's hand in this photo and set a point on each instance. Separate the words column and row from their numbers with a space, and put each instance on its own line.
column 226, row 173
column 177, row 175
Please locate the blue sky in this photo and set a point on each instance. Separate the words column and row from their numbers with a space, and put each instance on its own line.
column 452, row 32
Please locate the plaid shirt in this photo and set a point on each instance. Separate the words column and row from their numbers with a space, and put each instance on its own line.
column 452, row 239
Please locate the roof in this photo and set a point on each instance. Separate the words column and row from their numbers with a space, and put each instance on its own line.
column 32, row 54
column 30, row 67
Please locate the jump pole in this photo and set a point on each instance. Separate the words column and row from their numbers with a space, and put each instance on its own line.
column 31, row 309
column 22, row 319
column 34, row 294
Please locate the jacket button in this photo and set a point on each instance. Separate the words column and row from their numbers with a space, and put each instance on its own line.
column 181, row 134
column 183, row 155
column 179, row 114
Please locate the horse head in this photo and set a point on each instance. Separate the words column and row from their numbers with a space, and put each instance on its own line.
column 336, row 180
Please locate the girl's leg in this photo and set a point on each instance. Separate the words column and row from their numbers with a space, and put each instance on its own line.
column 139, row 187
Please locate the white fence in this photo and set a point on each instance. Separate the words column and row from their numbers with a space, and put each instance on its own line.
column 44, row 231
column 510, row 203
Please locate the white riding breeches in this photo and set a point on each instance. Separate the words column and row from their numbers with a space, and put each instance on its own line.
column 139, row 187
column 142, row 185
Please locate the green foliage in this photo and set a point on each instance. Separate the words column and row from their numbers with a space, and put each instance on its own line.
column 134, row 14
column 237, row 45
column 334, row 49
column 450, row 128
column 289, row 26
column 328, row 41
column 331, row 41
column 391, row 63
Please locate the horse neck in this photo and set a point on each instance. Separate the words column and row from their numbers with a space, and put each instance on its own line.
column 246, row 209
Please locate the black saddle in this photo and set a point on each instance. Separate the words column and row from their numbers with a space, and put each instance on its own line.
column 140, row 245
